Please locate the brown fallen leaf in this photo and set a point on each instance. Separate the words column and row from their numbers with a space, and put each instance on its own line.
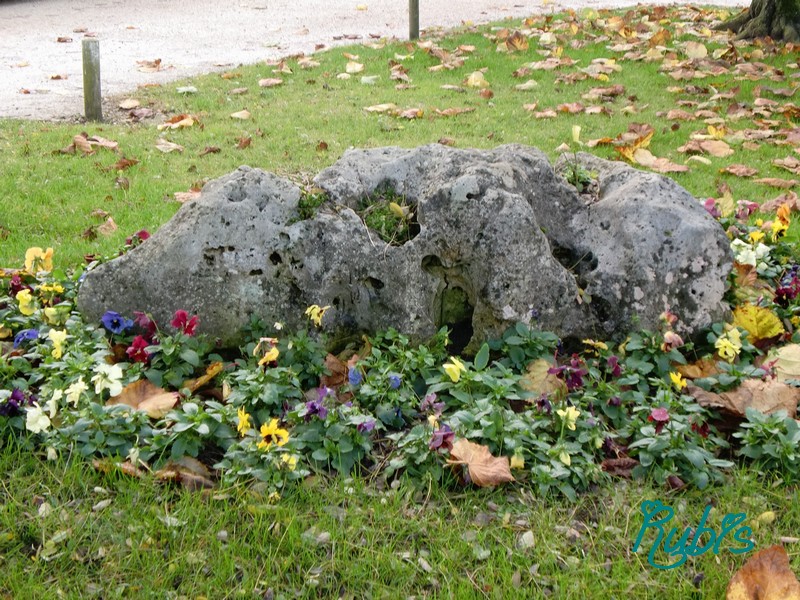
column 238, row 91
column 571, row 108
column 149, row 66
column 122, row 164
column 212, row 371
column 447, row 141
column 381, row 108
column 765, row 576
column 739, row 170
column 188, row 472
column 764, row 396
column 178, row 122
column 619, row 467
column 644, row 157
column 516, row 42
column 108, row 227
column 109, row 465
column 64, row 39
column 338, row 373
column 775, row 182
column 705, row 367
column 789, row 198
column 166, row 146
column 790, row 163
column 270, row 82
column 452, row 112
column 184, row 197
column 143, row 395
column 539, row 382
column 129, row 104
column 210, row 150
column 244, row 142
column 242, row 114
column 484, row 469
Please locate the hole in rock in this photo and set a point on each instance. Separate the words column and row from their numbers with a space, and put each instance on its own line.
column 372, row 282
column 431, row 263
column 275, row 258
column 456, row 313
column 256, row 272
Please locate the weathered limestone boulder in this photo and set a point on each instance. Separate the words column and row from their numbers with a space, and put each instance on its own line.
column 495, row 237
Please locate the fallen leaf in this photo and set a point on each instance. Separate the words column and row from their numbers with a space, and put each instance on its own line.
column 64, row 40
column 109, row 465
column 212, row 371
column 517, row 42
column 571, row 108
column 787, row 362
column 486, row 94
column 528, row 85
column 761, row 323
column 149, row 66
column 270, row 82
column 187, row 89
column 476, row 80
column 178, row 122
column 166, row 146
column 764, row 396
column 790, row 163
column 353, row 67
column 238, row 91
column 765, row 576
column 484, row 469
column 128, row 104
column 337, row 373
column 739, row 170
column 452, row 112
column 210, row 150
column 184, row 197
column 705, row 367
column 242, row 114
column 646, row 158
column 108, row 227
column 539, row 382
column 619, row 467
column 143, row 395
column 244, row 142
column 122, row 164
column 187, row 471
column 695, row 50
column 775, row 182
column 381, row 108
column 322, row 146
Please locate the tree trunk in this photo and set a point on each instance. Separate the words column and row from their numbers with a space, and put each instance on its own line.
column 778, row 19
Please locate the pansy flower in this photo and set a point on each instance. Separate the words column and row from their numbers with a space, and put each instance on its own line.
column 115, row 322
column 271, row 434
column 442, row 439
column 137, row 351
column 26, row 335
column 354, row 377
column 659, row 416
column 183, row 323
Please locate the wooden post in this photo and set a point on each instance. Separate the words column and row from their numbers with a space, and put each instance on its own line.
column 91, row 80
column 413, row 19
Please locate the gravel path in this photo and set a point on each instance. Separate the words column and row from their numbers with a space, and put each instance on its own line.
column 40, row 76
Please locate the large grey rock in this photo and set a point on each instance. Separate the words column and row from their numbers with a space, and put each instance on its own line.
column 501, row 238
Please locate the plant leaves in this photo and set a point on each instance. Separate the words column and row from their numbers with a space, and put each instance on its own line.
column 761, row 323
column 143, row 395
column 484, row 469
column 765, row 576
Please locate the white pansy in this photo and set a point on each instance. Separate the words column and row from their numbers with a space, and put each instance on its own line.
column 107, row 377
column 74, row 392
column 36, row 421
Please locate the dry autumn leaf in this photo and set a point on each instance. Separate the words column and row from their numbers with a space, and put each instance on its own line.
column 187, row 471
column 143, row 395
column 108, row 227
column 646, row 158
column 212, row 371
column 764, row 396
column 705, row 367
column 178, row 122
column 452, row 112
column 149, row 66
column 787, row 362
column 517, row 42
column 790, row 163
column 538, row 381
column 242, row 114
column 765, row 576
column 476, row 80
column 270, row 82
column 381, row 108
column 129, row 104
column 783, row 184
column 184, row 197
column 739, row 170
column 353, row 67
column 761, row 323
column 166, row 146
column 484, row 469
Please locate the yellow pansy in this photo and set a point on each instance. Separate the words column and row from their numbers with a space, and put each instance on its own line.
column 26, row 306
column 272, row 354
column 272, row 434
column 565, row 458
column 37, row 260
column 315, row 313
column 779, row 229
column 289, row 460
column 57, row 336
column 729, row 345
column 454, row 368
column 243, row 424
column 756, row 236
column 570, row 416
column 677, row 380
column 517, row 462
column 51, row 288
column 5, row 332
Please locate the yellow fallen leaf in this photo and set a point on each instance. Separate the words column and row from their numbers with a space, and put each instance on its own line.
column 484, row 469
column 381, row 108
column 242, row 114
column 352, row 67
column 476, row 80
column 143, row 395
column 761, row 323
column 787, row 362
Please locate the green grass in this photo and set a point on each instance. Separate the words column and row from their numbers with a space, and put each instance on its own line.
column 47, row 198
column 377, row 541
column 384, row 542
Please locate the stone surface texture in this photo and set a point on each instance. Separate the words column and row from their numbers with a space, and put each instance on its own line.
column 501, row 237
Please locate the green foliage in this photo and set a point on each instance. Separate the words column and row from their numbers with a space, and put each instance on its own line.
column 772, row 442
column 386, row 212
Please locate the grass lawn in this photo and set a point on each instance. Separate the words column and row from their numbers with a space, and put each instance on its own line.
column 650, row 79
